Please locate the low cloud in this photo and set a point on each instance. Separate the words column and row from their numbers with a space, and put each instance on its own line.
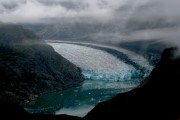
column 156, row 20
column 126, row 19
column 38, row 11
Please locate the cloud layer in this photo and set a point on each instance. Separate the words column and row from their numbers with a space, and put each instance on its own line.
column 139, row 19
column 50, row 10
column 38, row 11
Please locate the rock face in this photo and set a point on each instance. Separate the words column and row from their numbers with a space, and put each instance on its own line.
column 157, row 99
column 29, row 67
column 78, row 31
column 151, row 49
column 10, row 110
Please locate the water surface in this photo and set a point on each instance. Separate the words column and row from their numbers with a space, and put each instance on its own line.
column 106, row 74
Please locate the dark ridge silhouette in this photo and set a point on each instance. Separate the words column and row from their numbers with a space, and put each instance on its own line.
column 30, row 67
column 10, row 110
column 157, row 99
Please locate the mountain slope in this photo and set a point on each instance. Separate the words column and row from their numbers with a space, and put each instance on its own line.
column 30, row 67
column 151, row 49
column 87, row 32
column 157, row 99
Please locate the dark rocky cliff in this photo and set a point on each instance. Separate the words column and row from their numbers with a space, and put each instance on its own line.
column 30, row 67
column 157, row 99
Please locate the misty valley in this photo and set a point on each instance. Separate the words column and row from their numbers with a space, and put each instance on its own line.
column 89, row 59
column 106, row 74
column 55, row 77
column 47, row 79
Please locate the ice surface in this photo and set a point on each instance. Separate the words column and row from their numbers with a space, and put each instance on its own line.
column 91, row 59
column 105, row 76
column 98, row 64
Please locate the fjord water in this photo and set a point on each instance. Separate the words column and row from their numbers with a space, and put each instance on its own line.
column 106, row 74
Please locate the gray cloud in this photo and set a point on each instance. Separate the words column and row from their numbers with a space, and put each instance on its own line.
column 136, row 19
column 158, row 20
column 99, row 10
column 37, row 10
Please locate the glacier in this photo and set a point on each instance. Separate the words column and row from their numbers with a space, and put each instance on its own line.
column 106, row 72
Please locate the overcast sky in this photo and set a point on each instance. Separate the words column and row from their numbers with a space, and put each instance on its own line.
column 35, row 11
column 106, row 11
column 49, row 10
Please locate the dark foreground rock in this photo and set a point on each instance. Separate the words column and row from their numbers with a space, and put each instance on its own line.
column 157, row 99
column 12, row 111
column 30, row 67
